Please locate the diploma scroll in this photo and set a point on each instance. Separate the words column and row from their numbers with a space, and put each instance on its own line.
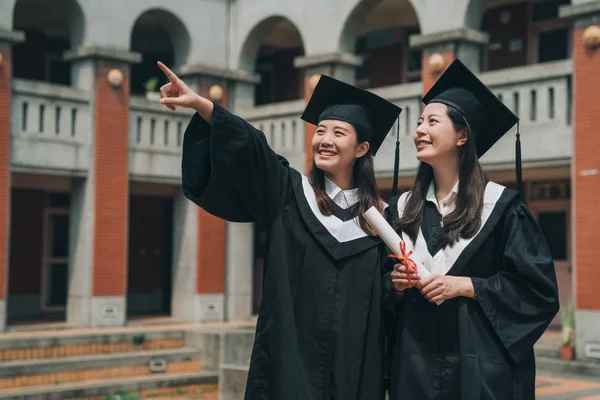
column 392, row 239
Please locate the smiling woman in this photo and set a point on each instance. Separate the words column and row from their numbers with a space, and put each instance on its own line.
column 322, row 287
column 487, row 257
column 349, row 132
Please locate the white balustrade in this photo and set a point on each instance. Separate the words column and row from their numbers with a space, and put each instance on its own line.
column 50, row 126
column 156, row 139
column 283, row 128
column 541, row 96
column 153, row 127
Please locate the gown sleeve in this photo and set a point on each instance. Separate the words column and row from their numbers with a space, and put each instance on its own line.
column 521, row 299
column 230, row 171
column 388, row 294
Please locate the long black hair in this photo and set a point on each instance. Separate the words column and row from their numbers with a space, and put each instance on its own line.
column 465, row 220
column 363, row 178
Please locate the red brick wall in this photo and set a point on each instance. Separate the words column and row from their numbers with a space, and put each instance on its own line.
column 210, row 277
column 26, row 241
column 210, row 272
column 428, row 77
column 585, row 157
column 5, row 80
column 111, row 193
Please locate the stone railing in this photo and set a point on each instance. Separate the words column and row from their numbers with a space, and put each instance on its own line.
column 155, row 139
column 408, row 97
column 541, row 95
column 50, row 127
column 282, row 127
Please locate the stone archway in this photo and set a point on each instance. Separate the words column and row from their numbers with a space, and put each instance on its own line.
column 54, row 27
column 158, row 35
column 269, row 50
column 378, row 31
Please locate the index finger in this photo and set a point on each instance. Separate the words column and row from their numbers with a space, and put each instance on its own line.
column 426, row 281
column 170, row 74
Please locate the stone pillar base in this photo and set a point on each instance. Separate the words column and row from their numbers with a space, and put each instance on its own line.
column 96, row 311
column 210, row 307
column 108, row 311
column 587, row 340
column 2, row 315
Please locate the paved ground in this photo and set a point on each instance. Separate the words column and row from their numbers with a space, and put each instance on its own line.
column 557, row 387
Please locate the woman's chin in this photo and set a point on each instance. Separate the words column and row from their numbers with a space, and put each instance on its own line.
column 425, row 156
column 422, row 158
column 324, row 165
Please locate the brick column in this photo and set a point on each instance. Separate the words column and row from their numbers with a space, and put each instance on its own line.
column 337, row 65
column 6, row 38
column 210, row 267
column 210, row 282
column 429, row 75
column 585, row 175
column 99, row 217
column 445, row 47
column 111, row 179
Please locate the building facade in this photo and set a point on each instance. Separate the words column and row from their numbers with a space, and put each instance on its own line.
column 94, row 229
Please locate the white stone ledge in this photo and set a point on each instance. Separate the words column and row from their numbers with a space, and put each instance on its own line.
column 528, row 73
column 453, row 35
column 49, row 90
column 142, row 104
column 280, row 109
column 402, row 91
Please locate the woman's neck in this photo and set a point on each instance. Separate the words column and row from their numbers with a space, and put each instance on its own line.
column 342, row 180
column 445, row 178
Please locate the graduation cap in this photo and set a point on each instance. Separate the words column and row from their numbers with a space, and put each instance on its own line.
column 460, row 88
column 369, row 114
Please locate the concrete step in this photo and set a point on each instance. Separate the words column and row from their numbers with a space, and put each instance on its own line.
column 61, row 345
column 574, row 367
column 547, row 351
column 109, row 386
column 94, row 362
column 38, row 327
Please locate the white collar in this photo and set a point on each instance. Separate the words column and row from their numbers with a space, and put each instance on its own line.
column 431, row 193
column 343, row 198
column 444, row 259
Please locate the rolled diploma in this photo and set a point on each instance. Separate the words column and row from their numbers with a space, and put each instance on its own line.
column 392, row 239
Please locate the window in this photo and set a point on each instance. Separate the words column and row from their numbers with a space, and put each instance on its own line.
column 554, row 226
column 553, row 45
column 548, row 9
column 56, row 268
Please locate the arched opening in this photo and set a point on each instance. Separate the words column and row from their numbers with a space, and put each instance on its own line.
column 157, row 35
column 269, row 51
column 53, row 28
column 379, row 32
column 524, row 32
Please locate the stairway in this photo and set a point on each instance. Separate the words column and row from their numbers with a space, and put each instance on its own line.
column 105, row 365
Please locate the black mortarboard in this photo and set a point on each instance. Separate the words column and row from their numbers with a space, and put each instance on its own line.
column 370, row 114
column 460, row 88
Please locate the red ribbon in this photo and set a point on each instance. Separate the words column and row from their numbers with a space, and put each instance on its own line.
column 405, row 259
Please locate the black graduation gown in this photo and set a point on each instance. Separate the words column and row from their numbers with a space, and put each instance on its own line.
column 476, row 349
column 319, row 330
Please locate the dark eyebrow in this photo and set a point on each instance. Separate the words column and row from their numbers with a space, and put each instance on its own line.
column 335, row 127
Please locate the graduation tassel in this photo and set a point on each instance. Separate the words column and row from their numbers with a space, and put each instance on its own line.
column 518, row 162
column 396, row 160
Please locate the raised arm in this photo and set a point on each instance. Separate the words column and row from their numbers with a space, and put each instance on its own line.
column 227, row 167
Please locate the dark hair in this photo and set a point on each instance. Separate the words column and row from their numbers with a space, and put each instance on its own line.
column 363, row 178
column 465, row 220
